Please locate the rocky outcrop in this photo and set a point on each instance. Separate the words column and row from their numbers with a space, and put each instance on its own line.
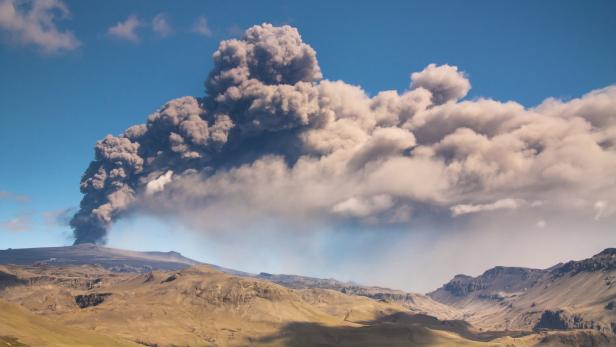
column 565, row 320
column 170, row 278
column 604, row 261
column 148, row 277
column 234, row 293
column 8, row 280
column 382, row 294
column 558, row 320
column 462, row 285
column 303, row 282
column 582, row 338
column 490, row 285
column 89, row 300
column 492, row 297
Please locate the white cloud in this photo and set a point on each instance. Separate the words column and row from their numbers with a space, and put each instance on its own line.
column 508, row 204
column 21, row 222
column 363, row 207
column 161, row 26
column 126, row 30
column 158, row 184
column 4, row 195
column 202, row 27
column 445, row 82
column 34, row 22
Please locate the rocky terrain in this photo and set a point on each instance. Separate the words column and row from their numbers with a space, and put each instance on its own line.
column 97, row 296
column 200, row 306
column 574, row 295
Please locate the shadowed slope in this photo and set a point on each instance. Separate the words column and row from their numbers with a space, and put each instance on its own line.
column 404, row 329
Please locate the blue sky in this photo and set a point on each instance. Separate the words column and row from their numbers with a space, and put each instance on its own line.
column 54, row 106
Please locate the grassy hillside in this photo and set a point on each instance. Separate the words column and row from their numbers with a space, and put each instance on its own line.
column 19, row 327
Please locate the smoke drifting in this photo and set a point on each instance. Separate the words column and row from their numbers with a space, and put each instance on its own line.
column 272, row 138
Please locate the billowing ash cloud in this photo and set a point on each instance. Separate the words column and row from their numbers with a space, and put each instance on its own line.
column 444, row 82
column 272, row 138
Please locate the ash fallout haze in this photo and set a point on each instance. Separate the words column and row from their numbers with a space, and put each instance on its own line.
column 393, row 143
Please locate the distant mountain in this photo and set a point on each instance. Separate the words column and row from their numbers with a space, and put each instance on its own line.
column 116, row 260
column 493, row 284
column 573, row 295
column 90, row 254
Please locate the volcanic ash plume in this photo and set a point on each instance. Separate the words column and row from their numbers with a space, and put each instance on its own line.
column 272, row 138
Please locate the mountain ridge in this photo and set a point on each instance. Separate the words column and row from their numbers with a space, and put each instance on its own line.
column 572, row 295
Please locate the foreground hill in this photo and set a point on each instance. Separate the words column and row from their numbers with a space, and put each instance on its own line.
column 574, row 295
column 19, row 327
